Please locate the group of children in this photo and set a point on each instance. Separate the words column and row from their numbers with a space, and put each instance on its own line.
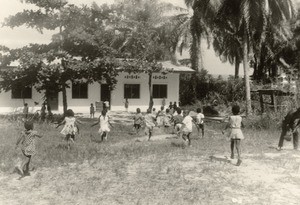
column 182, row 125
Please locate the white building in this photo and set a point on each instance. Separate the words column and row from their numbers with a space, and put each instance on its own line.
column 79, row 97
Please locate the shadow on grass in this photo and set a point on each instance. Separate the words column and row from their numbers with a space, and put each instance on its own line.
column 178, row 144
column 219, row 159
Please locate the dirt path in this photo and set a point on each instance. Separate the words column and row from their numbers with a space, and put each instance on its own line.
column 269, row 178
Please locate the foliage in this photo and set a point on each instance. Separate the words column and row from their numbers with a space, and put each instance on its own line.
column 80, row 51
column 209, row 89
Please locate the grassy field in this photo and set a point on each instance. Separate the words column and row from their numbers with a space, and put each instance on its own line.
column 127, row 169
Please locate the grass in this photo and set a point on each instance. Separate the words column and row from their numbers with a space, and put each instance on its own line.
column 124, row 171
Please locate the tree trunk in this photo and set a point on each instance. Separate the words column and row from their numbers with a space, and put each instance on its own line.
column 237, row 68
column 64, row 97
column 246, row 72
column 150, row 91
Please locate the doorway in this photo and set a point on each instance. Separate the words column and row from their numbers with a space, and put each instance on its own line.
column 53, row 100
column 105, row 93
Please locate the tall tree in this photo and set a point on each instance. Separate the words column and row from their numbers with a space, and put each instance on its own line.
column 141, row 37
column 77, row 50
column 252, row 16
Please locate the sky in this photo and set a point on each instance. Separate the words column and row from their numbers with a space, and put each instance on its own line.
column 21, row 36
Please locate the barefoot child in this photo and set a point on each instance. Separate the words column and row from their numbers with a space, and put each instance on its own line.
column 150, row 123
column 187, row 127
column 138, row 120
column 70, row 128
column 200, row 122
column 104, row 129
column 177, row 119
column 167, row 121
column 27, row 140
column 92, row 111
column 235, row 135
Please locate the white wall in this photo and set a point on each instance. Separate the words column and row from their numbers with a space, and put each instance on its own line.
column 81, row 105
column 117, row 96
column 7, row 104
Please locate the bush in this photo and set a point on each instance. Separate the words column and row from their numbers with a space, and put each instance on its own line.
column 209, row 89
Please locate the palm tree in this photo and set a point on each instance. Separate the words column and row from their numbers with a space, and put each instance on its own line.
column 187, row 30
column 252, row 16
column 227, row 44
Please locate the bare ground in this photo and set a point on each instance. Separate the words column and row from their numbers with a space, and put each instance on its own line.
column 171, row 178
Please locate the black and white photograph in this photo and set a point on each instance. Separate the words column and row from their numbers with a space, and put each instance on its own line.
column 149, row 102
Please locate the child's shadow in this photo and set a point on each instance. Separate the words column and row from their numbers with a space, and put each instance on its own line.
column 95, row 139
column 219, row 159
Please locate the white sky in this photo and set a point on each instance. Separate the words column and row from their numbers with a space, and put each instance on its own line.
column 21, row 36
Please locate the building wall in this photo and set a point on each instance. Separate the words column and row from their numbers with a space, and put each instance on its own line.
column 7, row 104
column 117, row 98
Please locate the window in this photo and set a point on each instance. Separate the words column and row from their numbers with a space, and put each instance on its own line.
column 160, row 91
column 131, row 91
column 80, row 90
column 19, row 93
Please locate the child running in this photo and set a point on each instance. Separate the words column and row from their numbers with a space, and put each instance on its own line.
column 138, row 120
column 167, row 121
column 150, row 123
column 200, row 122
column 177, row 119
column 187, row 127
column 160, row 116
column 70, row 128
column 27, row 140
column 104, row 129
column 235, row 135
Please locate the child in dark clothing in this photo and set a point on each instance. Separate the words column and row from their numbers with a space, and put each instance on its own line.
column 177, row 119
column 92, row 111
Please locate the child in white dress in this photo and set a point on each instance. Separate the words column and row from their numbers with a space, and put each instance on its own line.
column 70, row 126
column 104, row 129
column 150, row 121
column 187, row 127
column 200, row 122
column 235, row 135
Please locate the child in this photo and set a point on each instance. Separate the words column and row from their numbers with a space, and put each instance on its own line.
column 200, row 122
column 27, row 140
column 25, row 110
column 154, row 112
column 187, row 127
column 160, row 116
column 175, row 106
column 150, row 123
column 92, row 111
column 235, row 124
column 126, row 103
column 170, row 105
column 104, row 125
column 177, row 119
column 167, row 120
column 138, row 120
column 70, row 128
